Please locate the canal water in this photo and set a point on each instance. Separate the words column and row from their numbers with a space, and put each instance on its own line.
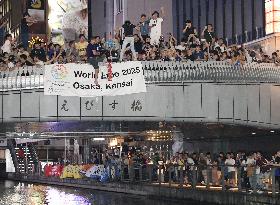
column 15, row 193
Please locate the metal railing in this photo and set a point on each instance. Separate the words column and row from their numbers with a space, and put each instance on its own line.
column 206, row 177
column 162, row 72
column 210, row 71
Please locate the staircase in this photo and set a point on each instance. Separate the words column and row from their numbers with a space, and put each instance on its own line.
column 34, row 155
column 24, row 157
column 11, row 143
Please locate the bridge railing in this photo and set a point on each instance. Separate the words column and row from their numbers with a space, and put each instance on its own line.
column 162, row 72
column 211, row 71
column 244, row 178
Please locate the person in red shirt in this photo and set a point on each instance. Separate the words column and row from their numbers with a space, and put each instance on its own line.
column 21, row 153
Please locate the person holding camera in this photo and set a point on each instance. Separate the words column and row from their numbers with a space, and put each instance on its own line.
column 208, row 34
column 128, row 39
column 188, row 32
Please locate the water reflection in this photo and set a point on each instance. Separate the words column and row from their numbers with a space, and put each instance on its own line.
column 13, row 193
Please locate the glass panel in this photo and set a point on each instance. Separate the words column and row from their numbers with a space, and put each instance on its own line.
column 269, row 17
column 269, row 28
column 276, row 15
column 276, row 5
column 277, row 27
column 268, row 6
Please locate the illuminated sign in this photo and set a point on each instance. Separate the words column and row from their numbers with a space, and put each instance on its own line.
column 272, row 16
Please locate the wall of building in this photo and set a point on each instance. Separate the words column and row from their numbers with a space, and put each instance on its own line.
column 268, row 145
column 268, row 44
column 231, row 18
column 107, row 14
column 134, row 11
column 11, row 12
column 102, row 17
column 237, row 21
column 17, row 11
column 98, row 24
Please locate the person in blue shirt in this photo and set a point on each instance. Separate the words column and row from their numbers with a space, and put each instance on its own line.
column 144, row 27
column 94, row 55
column 198, row 54
column 51, row 50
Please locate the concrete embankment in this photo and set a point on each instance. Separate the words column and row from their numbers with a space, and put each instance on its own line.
column 163, row 192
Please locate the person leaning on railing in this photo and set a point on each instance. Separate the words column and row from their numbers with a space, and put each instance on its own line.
column 276, row 162
column 202, row 165
column 190, row 168
column 230, row 163
column 275, row 58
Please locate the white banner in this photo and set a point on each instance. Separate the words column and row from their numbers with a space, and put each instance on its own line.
column 78, row 80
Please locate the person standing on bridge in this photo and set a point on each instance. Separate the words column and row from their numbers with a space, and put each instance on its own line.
column 128, row 28
column 94, row 55
column 155, row 25
column 230, row 163
column 276, row 163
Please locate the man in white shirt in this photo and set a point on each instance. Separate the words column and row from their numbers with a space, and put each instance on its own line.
column 231, row 169
column 155, row 25
column 11, row 60
column 7, row 46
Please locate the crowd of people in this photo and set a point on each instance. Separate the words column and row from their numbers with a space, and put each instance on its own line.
column 141, row 41
column 202, row 168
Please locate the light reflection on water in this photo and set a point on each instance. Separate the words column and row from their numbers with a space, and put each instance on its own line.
column 14, row 193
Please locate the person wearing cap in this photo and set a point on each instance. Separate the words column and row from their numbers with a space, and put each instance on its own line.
column 155, row 25
column 128, row 28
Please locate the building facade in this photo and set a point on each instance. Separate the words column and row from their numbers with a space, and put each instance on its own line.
column 108, row 15
column 102, row 17
column 10, row 17
column 237, row 21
